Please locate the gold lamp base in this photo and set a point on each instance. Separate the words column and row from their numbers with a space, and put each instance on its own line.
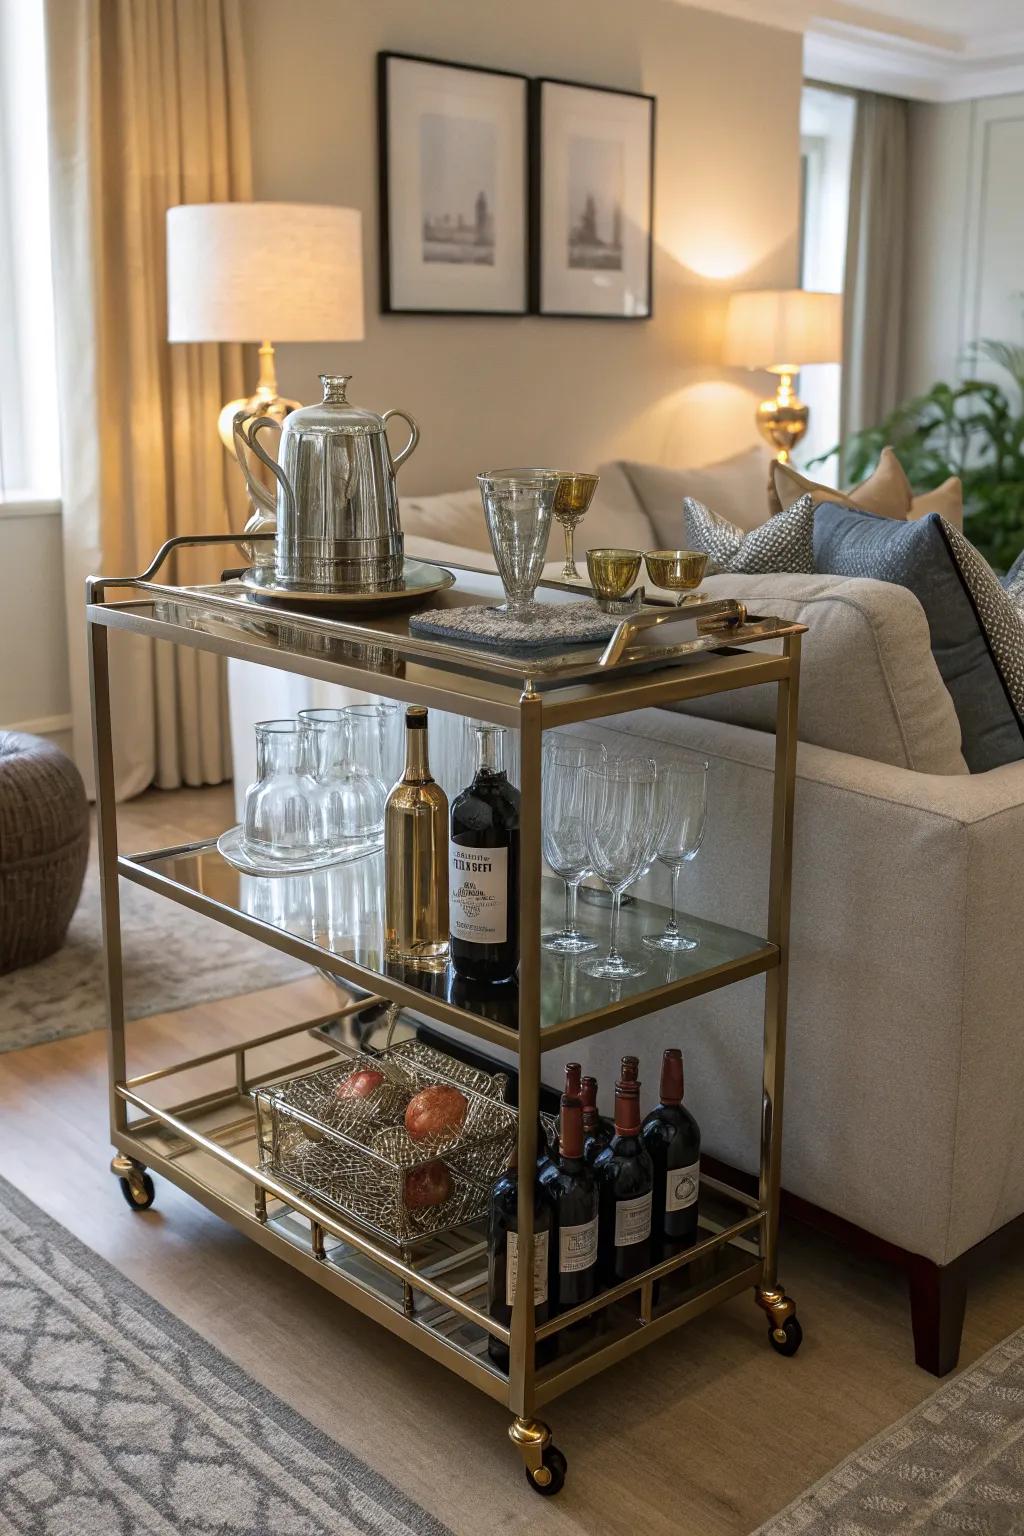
column 265, row 402
column 782, row 422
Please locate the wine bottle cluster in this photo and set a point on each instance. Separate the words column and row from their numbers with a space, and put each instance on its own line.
column 615, row 1198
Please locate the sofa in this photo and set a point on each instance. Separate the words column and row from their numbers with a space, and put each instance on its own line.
column 905, row 1078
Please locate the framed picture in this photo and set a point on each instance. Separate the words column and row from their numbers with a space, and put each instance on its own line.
column 454, row 183
column 592, row 200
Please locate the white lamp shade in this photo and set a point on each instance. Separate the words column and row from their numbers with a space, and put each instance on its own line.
column 782, row 330
column 264, row 272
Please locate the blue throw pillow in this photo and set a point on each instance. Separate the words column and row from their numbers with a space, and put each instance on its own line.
column 977, row 633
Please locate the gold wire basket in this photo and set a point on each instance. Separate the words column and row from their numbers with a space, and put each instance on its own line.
column 356, row 1154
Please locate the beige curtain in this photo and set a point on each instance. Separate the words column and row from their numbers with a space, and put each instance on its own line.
column 148, row 109
column 875, row 244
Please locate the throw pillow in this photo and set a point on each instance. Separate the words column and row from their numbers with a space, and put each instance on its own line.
column 783, row 543
column 733, row 486
column 977, row 632
column 1013, row 581
column 886, row 492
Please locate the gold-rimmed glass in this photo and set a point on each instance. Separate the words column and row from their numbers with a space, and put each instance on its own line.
column 613, row 571
column 677, row 570
column 572, row 503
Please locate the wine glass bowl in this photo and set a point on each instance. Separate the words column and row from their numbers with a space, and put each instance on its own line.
column 572, row 502
column 517, row 508
column 677, row 570
column 613, row 571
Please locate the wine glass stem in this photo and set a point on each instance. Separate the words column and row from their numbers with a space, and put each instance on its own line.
column 569, row 571
column 571, row 891
column 673, row 926
column 613, row 936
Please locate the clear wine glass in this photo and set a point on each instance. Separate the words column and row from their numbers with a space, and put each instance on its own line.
column 517, row 509
column 682, row 818
column 563, row 816
column 621, row 833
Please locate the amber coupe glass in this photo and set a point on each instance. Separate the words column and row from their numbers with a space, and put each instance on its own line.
column 613, row 571
column 678, row 570
column 572, row 502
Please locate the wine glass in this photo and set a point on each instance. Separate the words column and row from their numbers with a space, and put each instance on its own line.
column 563, row 813
column 682, row 819
column 572, row 502
column 621, row 833
column 679, row 570
column 517, row 509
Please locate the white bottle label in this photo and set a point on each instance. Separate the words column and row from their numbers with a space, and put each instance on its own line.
column 632, row 1221
column 577, row 1247
column 478, row 894
column 681, row 1187
column 540, row 1268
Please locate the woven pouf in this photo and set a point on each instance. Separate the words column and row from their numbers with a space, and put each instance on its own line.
column 44, row 845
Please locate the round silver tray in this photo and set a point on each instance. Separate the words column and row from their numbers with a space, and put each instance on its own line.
column 419, row 579
column 231, row 846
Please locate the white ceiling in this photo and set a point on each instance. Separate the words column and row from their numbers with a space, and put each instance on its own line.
column 961, row 20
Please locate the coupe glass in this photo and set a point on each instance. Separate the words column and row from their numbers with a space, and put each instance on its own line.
column 621, row 833
column 351, row 797
column 563, row 811
column 281, row 821
column 682, row 816
column 572, row 502
column 517, row 507
column 678, row 570
column 612, row 572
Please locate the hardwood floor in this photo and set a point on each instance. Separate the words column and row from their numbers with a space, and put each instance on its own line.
column 705, row 1435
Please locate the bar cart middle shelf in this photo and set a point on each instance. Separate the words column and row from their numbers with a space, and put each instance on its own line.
column 433, row 1292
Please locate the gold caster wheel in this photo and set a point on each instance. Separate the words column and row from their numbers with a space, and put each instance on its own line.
column 136, row 1185
column 785, row 1334
column 544, row 1464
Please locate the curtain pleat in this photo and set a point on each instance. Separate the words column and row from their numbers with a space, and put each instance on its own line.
column 149, row 109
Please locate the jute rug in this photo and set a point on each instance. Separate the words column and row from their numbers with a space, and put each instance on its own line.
column 173, row 957
column 956, row 1463
column 117, row 1420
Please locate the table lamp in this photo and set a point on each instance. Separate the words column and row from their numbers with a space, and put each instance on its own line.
column 249, row 271
column 781, row 331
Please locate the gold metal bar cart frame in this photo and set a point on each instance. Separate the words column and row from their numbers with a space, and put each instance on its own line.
column 435, row 1298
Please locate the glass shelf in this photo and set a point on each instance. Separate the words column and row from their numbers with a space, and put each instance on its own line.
column 333, row 918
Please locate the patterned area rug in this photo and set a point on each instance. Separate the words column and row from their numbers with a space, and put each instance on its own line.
column 117, row 1420
column 173, row 957
column 954, row 1464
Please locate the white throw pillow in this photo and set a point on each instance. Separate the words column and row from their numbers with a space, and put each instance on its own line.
column 733, row 486
column 457, row 517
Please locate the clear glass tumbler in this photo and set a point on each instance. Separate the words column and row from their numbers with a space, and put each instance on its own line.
column 281, row 822
column 376, row 739
column 518, row 505
column 351, row 798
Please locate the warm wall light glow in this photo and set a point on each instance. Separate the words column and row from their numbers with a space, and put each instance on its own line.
column 717, row 257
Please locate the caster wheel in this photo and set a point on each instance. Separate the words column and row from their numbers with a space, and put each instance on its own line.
column 555, row 1467
column 140, row 1192
column 792, row 1336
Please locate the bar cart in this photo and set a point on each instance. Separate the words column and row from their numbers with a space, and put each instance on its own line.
column 433, row 1295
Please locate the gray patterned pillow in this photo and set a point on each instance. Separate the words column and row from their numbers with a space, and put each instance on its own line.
column 1013, row 581
column 784, row 543
column 1000, row 612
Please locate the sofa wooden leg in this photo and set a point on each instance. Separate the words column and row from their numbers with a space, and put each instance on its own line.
column 938, row 1296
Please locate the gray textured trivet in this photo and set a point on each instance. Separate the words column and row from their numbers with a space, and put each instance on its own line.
column 577, row 623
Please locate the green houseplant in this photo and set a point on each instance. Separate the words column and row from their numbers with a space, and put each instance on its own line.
column 974, row 429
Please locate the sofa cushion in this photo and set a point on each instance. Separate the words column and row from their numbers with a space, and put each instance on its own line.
column 869, row 684
column 733, row 486
column 977, row 632
column 886, row 492
column 783, row 543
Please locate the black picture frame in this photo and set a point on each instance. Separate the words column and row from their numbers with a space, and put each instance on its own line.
column 539, row 157
column 389, row 301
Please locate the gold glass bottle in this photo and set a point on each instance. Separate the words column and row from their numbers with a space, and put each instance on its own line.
column 416, row 859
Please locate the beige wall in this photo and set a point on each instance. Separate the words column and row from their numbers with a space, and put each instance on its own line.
column 531, row 389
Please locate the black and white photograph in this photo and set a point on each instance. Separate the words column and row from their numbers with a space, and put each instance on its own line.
column 593, row 154
column 454, row 181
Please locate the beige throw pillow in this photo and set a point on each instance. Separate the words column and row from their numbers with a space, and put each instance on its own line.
column 733, row 486
column 886, row 492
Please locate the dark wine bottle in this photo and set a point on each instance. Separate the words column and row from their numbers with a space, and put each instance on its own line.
column 625, row 1183
column 503, row 1260
column 597, row 1131
column 672, row 1137
column 573, row 1081
column 575, row 1195
column 483, row 869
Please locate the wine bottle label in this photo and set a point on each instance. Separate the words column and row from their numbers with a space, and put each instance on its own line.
column 540, row 1268
column 577, row 1247
column 681, row 1187
column 478, row 900
column 632, row 1220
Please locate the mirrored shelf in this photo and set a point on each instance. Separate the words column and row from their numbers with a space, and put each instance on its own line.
column 333, row 919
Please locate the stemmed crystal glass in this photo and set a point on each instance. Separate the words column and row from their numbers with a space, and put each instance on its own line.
column 572, row 502
column 681, row 818
column 563, row 819
column 621, row 834
column 517, row 508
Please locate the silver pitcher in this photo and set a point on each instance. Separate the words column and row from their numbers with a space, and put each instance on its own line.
column 337, row 503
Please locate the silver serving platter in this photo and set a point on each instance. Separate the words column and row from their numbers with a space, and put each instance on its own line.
column 419, row 579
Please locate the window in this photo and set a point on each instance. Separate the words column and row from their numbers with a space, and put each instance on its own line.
column 29, row 448
column 827, row 121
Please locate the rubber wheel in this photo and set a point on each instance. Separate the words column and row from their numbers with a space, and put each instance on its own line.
column 794, row 1337
column 148, row 1193
column 557, row 1466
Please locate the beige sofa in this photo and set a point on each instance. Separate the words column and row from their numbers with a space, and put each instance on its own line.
column 905, row 1072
